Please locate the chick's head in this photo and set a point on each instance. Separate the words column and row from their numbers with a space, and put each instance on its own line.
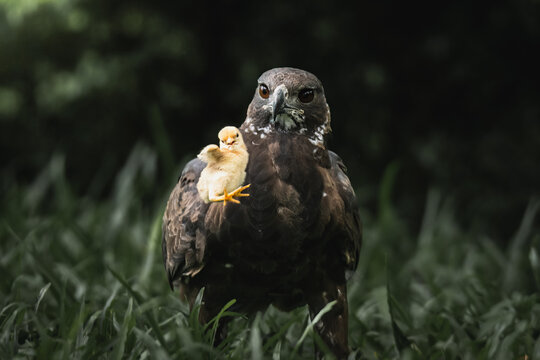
column 230, row 138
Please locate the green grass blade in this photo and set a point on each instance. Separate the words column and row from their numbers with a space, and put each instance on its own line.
column 156, row 352
column 255, row 340
column 534, row 260
column 42, row 293
column 153, row 240
column 276, row 338
column 311, row 324
column 276, row 355
column 400, row 340
column 149, row 315
column 215, row 321
column 124, row 330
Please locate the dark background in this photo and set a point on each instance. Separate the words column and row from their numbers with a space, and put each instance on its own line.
column 443, row 96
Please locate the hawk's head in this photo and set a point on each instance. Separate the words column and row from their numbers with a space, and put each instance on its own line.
column 289, row 100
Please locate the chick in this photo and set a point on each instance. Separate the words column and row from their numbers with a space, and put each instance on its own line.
column 222, row 178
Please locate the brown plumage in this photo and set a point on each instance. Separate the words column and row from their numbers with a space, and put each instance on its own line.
column 295, row 239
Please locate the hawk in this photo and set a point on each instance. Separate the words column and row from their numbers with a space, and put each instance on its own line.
column 295, row 240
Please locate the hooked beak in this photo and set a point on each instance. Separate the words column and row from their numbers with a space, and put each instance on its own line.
column 278, row 103
column 284, row 112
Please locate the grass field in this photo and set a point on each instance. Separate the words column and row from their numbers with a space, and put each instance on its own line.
column 82, row 278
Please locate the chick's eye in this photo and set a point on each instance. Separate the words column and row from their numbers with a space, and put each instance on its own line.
column 263, row 91
column 306, row 95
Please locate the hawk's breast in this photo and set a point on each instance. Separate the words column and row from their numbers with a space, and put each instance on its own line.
column 285, row 194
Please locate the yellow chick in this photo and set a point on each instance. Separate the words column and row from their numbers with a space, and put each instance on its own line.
column 222, row 178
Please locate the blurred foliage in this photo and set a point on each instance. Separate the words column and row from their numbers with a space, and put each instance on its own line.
column 101, row 102
column 83, row 279
column 449, row 91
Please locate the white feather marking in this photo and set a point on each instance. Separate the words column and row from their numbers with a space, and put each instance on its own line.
column 251, row 129
column 267, row 129
column 317, row 138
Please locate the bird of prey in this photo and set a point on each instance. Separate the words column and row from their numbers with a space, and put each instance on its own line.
column 222, row 178
column 295, row 240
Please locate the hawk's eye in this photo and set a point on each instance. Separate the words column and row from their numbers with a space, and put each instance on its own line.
column 263, row 91
column 306, row 95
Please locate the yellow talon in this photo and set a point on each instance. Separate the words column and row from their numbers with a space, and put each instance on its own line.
column 231, row 196
column 238, row 192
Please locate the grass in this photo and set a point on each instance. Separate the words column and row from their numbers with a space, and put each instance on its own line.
column 83, row 278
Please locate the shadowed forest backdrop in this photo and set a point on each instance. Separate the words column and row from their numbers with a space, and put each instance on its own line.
column 449, row 93
column 435, row 111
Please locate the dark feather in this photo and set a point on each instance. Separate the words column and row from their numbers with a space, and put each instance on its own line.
column 183, row 230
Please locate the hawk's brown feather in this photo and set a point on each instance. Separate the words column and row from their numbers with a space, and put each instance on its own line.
column 183, row 230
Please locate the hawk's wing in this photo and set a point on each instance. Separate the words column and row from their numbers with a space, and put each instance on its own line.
column 346, row 217
column 183, row 238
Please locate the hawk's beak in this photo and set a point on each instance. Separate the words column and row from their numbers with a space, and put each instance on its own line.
column 278, row 103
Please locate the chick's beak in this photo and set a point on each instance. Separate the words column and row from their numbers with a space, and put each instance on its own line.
column 229, row 141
